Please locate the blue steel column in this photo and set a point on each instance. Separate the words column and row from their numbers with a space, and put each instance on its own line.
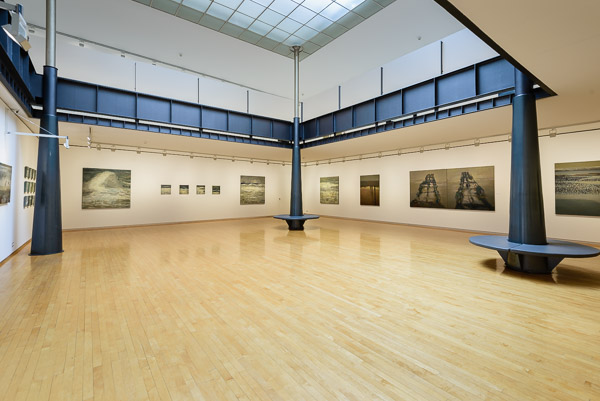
column 47, row 220
column 527, row 225
column 296, row 195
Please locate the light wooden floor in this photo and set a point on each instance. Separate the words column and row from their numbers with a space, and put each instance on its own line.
column 245, row 310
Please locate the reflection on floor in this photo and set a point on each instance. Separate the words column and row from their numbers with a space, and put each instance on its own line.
column 247, row 310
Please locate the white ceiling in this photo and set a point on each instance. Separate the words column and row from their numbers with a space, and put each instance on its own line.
column 139, row 29
column 557, row 41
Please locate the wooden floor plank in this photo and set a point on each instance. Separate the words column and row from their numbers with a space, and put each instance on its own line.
column 246, row 310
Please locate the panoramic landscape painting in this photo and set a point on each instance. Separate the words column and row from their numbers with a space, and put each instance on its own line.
column 578, row 188
column 330, row 190
column 165, row 189
column 428, row 188
column 106, row 189
column 252, row 190
column 5, row 183
column 369, row 190
column 216, row 189
column 471, row 188
column 184, row 190
column 200, row 189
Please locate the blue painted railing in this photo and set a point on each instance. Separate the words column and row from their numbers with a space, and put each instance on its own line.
column 87, row 103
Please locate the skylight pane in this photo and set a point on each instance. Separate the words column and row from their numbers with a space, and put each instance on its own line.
column 260, row 27
column 302, row 15
column 334, row 12
column 240, row 20
column 319, row 23
column 271, row 17
column 283, row 6
column 200, row 5
column 233, row 4
column 289, row 25
column 278, row 35
column 251, row 8
column 316, row 5
column 349, row 4
column 219, row 11
column 264, row 2
column 305, row 33
column 293, row 41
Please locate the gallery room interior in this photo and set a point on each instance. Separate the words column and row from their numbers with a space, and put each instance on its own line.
column 437, row 163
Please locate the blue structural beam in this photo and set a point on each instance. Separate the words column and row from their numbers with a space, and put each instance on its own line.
column 16, row 70
column 419, row 103
column 82, row 102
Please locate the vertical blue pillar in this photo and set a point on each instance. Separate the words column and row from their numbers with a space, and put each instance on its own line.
column 46, row 237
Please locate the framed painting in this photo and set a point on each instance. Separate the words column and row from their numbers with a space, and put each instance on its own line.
column 165, row 189
column 106, row 189
column 369, row 190
column 184, row 190
column 471, row 188
column 5, row 183
column 429, row 189
column 577, row 188
column 329, row 190
column 216, row 190
column 200, row 189
column 252, row 190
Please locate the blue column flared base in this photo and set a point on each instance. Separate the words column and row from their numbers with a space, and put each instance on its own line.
column 296, row 223
column 536, row 259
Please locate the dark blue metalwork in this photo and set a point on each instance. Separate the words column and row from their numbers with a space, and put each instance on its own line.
column 140, row 108
column 47, row 220
column 526, row 247
column 16, row 69
column 527, row 225
column 296, row 195
column 495, row 76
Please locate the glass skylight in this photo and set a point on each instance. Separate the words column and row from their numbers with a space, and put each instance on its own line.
column 275, row 24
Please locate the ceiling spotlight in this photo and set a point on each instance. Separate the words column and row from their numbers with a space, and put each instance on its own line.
column 477, row 142
column 164, row 153
column 552, row 133
column 305, row 164
column 421, row 149
column 113, row 149
column 268, row 163
column 233, row 159
column 447, row 146
column 81, row 44
column 251, row 161
column 215, row 157
column 379, row 155
column 509, row 138
column 123, row 55
column 399, row 152
column 138, row 151
column 283, row 163
column 98, row 147
column 191, row 155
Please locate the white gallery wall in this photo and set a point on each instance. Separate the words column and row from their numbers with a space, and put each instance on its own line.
column 150, row 171
column 18, row 152
column 395, row 193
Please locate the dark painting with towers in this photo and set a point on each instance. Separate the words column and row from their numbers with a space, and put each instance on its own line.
column 470, row 188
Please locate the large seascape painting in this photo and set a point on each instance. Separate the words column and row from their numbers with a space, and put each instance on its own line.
column 252, row 190
column 106, row 189
column 428, row 188
column 5, row 183
column 470, row 188
column 369, row 190
column 330, row 190
column 578, row 188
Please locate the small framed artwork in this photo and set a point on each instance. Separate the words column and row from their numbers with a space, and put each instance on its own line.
column 216, row 190
column 5, row 183
column 165, row 189
column 200, row 189
column 34, row 174
column 184, row 190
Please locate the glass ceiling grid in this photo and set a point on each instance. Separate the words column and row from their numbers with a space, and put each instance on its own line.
column 275, row 24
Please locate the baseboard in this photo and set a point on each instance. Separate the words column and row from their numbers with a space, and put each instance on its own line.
column 19, row 249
